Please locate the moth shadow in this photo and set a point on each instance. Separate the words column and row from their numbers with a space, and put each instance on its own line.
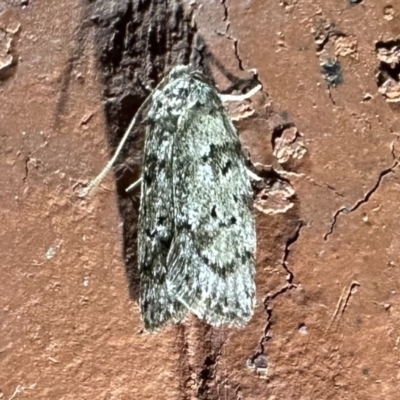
column 129, row 211
column 137, row 43
column 127, row 171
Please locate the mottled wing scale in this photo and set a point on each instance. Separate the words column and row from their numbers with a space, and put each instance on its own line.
column 196, row 228
column 156, row 224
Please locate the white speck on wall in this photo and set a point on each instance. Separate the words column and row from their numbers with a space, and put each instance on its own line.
column 50, row 253
column 303, row 330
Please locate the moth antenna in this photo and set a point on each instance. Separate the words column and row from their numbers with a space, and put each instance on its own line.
column 252, row 176
column 133, row 186
column 96, row 181
column 240, row 97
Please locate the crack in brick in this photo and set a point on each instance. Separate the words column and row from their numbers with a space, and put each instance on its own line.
column 199, row 357
column 227, row 35
column 365, row 199
column 393, row 146
column 27, row 159
column 331, row 96
column 206, row 376
column 350, row 292
column 259, row 361
column 226, row 10
column 330, row 187
column 236, row 47
column 342, row 303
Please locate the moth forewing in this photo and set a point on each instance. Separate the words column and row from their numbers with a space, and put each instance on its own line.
column 196, row 234
column 196, row 243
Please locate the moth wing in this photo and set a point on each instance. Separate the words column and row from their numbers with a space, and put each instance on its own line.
column 156, row 231
column 211, row 260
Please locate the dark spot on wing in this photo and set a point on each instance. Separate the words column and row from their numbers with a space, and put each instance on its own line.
column 226, row 167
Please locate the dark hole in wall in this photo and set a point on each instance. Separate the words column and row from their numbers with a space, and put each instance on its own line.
column 388, row 70
column 391, row 70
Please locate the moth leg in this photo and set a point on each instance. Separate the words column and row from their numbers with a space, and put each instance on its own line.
column 240, row 97
column 133, row 186
column 251, row 174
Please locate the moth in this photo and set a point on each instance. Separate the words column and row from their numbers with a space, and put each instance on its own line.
column 196, row 234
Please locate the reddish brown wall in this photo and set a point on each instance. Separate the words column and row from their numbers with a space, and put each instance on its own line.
column 327, row 321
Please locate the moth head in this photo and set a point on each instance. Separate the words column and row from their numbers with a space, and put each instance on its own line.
column 179, row 71
column 186, row 71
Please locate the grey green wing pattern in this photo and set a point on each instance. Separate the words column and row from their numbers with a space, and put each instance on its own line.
column 156, row 231
column 197, row 230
